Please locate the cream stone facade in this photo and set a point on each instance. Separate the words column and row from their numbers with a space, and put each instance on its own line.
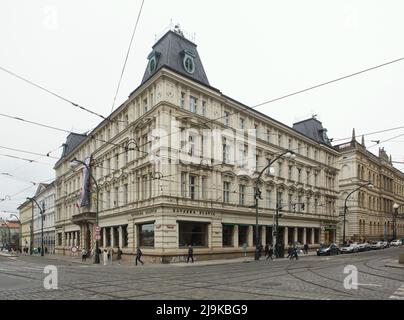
column 25, row 214
column 176, row 164
column 370, row 210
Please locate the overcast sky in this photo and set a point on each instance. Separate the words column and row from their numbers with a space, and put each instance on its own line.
column 252, row 51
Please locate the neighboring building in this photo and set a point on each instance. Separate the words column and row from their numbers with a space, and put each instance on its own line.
column 177, row 162
column 9, row 234
column 25, row 214
column 45, row 196
column 369, row 215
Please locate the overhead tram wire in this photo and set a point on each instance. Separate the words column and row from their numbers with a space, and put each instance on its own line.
column 127, row 55
column 53, row 93
column 58, row 129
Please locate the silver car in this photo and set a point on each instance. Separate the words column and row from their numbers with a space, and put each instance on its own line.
column 353, row 247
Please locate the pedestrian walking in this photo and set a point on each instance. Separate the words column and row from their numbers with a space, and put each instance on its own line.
column 105, row 257
column 138, row 256
column 119, row 255
column 270, row 253
column 289, row 251
column 83, row 255
column 190, row 254
column 110, row 255
column 306, row 248
column 294, row 254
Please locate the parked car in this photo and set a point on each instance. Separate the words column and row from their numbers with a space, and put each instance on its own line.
column 353, row 247
column 363, row 246
column 386, row 244
column 377, row 245
column 328, row 249
column 396, row 243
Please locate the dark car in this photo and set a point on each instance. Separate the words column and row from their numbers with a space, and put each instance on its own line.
column 328, row 249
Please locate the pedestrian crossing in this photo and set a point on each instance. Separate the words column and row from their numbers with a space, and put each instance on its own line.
column 398, row 294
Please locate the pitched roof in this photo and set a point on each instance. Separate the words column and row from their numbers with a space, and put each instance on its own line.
column 170, row 51
column 313, row 129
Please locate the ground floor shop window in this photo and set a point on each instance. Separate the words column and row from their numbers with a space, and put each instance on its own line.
column 242, row 235
column 146, row 235
column 268, row 235
column 59, row 239
column 228, row 235
column 193, row 233
column 125, row 236
column 316, row 235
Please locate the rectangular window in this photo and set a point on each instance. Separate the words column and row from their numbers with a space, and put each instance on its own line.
column 204, row 108
column 290, row 172
column 116, row 161
column 241, row 194
column 299, row 175
column 268, row 136
column 242, row 235
column 125, row 194
column 145, row 106
column 269, row 199
column 182, row 101
column 280, row 169
column 193, row 233
column 279, row 139
column 225, row 149
column 116, row 197
column 146, row 235
column 193, row 192
column 227, row 232
column 290, row 144
column 226, row 192
column 226, row 118
column 191, row 144
column 192, row 104
column 242, row 123
column 108, row 199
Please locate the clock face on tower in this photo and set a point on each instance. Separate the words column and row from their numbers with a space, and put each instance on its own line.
column 189, row 64
column 152, row 64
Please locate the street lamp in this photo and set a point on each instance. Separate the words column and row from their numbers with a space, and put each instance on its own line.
column 96, row 253
column 41, row 211
column 367, row 184
column 287, row 153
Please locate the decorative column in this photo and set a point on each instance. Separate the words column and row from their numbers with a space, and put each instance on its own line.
column 304, row 236
column 263, row 235
column 312, row 235
column 120, row 236
column 295, row 233
column 104, row 237
column 112, row 238
column 250, row 236
column 285, row 237
column 235, row 236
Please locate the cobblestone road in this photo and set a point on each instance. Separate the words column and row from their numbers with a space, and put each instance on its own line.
column 311, row 277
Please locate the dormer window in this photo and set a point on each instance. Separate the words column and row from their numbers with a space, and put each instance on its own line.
column 188, row 62
column 153, row 57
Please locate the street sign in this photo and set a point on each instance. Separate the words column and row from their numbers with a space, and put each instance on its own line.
column 97, row 229
column 98, row 237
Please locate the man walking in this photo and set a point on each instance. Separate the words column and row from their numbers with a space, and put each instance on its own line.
column 270, row 253
column 289, row 251
column 306, row 248
column 190, row 254
column 119, row 255
column 83, row 255
column 138, row 256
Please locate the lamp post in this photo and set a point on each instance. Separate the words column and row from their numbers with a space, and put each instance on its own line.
column 41, row 211
column 257, row 196
column 96, row 254
column 20, row 234
column 367, row 184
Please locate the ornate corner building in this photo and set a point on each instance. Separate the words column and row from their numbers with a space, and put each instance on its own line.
column 176, row 164
column 370, row 211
